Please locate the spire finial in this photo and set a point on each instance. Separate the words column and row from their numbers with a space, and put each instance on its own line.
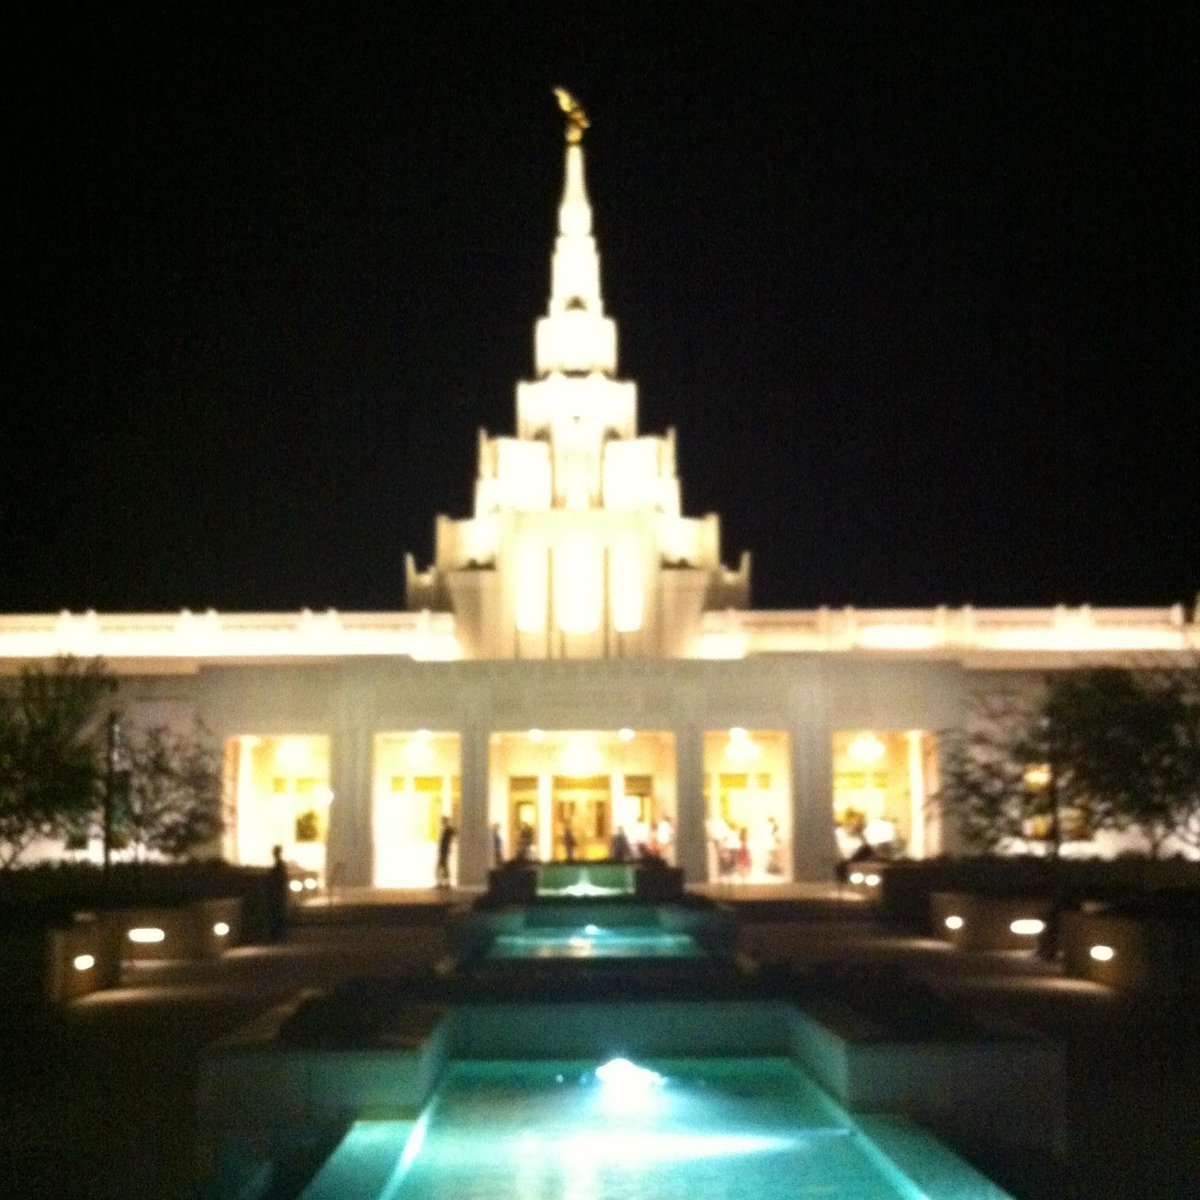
column 577, row 120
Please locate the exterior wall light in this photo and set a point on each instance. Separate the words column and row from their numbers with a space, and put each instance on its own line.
column 221, row 929
column 856, row 877
column 146, row 935
column 1028, row 927
column 84, row 962
column 296, row 886
column 1102, row 953
column 419, row 752
column 626, row 735
column 866, row 748
column 954, row 922
column 871, row 880
column 310, row 883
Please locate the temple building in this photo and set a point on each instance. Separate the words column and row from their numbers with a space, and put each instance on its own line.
column 579, row 664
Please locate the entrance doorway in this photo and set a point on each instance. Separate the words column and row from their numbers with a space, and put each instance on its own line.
column 280, row 797
column 747, row 783
column 582, row 806
column 593, row 782
column 882, row 784
column 524, row 827
column 416, row 784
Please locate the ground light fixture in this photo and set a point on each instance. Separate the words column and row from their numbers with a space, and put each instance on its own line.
column 1102, row 953
column 146, row 935
column 1028, row 927
column 84, row 962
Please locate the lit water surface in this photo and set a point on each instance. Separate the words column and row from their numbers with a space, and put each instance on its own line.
column 591, row 941
column 704, row 1130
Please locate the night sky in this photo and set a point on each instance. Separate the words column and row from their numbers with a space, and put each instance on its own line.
column 916, row 284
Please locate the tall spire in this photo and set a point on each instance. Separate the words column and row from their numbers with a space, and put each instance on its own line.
column 575, row 336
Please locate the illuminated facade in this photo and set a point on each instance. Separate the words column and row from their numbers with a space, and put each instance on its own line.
column 577, row 667
column 577, row 547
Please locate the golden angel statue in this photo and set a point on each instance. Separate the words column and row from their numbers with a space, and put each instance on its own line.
column 577, row 120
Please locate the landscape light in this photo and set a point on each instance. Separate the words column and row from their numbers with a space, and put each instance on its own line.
column 84, row 962
column 1028, row 927
column 1102, row 953
column 954, row 922
column 146, row 935
column 221, row 929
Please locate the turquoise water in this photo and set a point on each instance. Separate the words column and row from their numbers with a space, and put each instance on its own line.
column 593, row 941
column 704, row 1129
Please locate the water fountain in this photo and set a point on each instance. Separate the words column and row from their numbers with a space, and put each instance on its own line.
column 582, row 1041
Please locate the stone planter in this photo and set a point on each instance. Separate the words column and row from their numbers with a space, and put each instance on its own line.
column 81, row 958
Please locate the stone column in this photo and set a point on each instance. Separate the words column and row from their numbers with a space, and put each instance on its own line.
column 691, row 847
column 474, row 848
column 916, row 794
column 349, row 856
column 814, row 846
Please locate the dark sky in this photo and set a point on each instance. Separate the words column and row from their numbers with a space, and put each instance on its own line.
column 917, row 285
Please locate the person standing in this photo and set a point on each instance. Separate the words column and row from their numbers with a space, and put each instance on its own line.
column 525, row 842
column 569, row 842
column 619, row 850
column 742, row 856
column 445, row 842
column 277, row 897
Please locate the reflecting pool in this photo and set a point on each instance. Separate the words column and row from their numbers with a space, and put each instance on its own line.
column 680, row 1129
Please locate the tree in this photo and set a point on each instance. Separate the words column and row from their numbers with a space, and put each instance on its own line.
column 1111, row 747
column 171, row 802
column 51, row 751
column 1130, row 741
column 1000, row 782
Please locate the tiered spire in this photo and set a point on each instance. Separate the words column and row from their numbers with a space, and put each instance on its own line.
column 575, row 337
